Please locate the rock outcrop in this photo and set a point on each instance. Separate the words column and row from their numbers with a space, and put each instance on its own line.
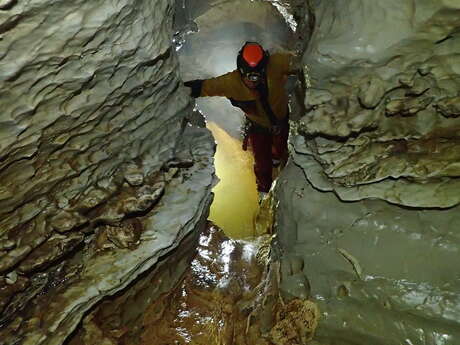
column 370, row 201
column 100, row 172
column 382, row 117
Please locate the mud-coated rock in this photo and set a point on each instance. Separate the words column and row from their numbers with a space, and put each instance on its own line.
column 126, row 234
column 54, row 248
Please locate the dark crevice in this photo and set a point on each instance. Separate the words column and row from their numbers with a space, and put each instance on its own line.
column 43, row 279
column 9, row 5
column 10, row 24
column 340, row 139
column 443, row 39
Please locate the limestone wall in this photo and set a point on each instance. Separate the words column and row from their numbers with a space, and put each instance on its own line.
column 369, row 203
column 379, row 273
column 383, row 112
column 97, row 176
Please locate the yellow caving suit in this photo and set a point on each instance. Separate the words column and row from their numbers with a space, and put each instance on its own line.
column 266, row 144
column 231, row 86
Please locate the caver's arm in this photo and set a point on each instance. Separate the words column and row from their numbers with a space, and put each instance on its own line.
column 287, row 63
column 223, row 85
column 290, row 64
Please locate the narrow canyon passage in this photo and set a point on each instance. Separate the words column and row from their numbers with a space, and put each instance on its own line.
column 229, row 292
column 208, row 39
column 108, row 172
column 221, row 296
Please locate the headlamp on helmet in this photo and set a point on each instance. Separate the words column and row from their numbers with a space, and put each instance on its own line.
column 251, row 61
column 253, row 76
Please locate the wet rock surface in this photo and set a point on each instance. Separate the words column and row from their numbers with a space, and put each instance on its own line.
column 369, row 203
column 119, row 319
column 100, row 172
column 379, row 273
column 381, row 115
column 108, row 257
column 88, row 265
column 213, row 302
column 227, row 295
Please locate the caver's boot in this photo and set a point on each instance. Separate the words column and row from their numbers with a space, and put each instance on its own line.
column 262, row 197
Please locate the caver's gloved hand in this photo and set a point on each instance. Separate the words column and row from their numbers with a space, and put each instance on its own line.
column 195, row 87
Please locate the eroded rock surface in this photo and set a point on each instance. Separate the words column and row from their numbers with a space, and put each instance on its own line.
column 381, row 115
column 379, row 273
column 100, row 174
column 369, row 204
column 111, row 256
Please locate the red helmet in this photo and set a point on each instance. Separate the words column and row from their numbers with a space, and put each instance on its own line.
column 252, row 58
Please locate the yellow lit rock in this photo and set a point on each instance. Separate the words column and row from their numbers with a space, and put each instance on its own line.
column 235, row 204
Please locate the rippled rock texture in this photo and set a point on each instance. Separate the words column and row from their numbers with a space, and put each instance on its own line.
column 379, row 273
column 382, row 116
column 370, row 201
column 100, row 173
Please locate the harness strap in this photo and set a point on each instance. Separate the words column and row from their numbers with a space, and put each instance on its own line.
column 264, row 100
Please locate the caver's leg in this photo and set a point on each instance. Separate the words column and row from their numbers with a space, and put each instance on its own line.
column 279, row 145
column 262, row 147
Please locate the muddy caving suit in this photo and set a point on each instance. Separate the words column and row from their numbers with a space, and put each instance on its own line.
column 265, row 107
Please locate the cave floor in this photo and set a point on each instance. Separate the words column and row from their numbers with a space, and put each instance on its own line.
column 228, row 295
column 214, row 301
column 217, row 301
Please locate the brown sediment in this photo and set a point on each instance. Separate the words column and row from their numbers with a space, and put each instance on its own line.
column 213, row 302
column 228, row 295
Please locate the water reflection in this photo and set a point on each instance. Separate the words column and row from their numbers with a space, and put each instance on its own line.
column 209, row 306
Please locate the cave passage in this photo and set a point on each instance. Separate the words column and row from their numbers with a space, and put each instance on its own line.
column 106, row 188
column 235, row 204
column 228, row 284
column 208, row 38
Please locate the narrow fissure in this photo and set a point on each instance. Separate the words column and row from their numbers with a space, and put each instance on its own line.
column 210, row 37
column 229, row 292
